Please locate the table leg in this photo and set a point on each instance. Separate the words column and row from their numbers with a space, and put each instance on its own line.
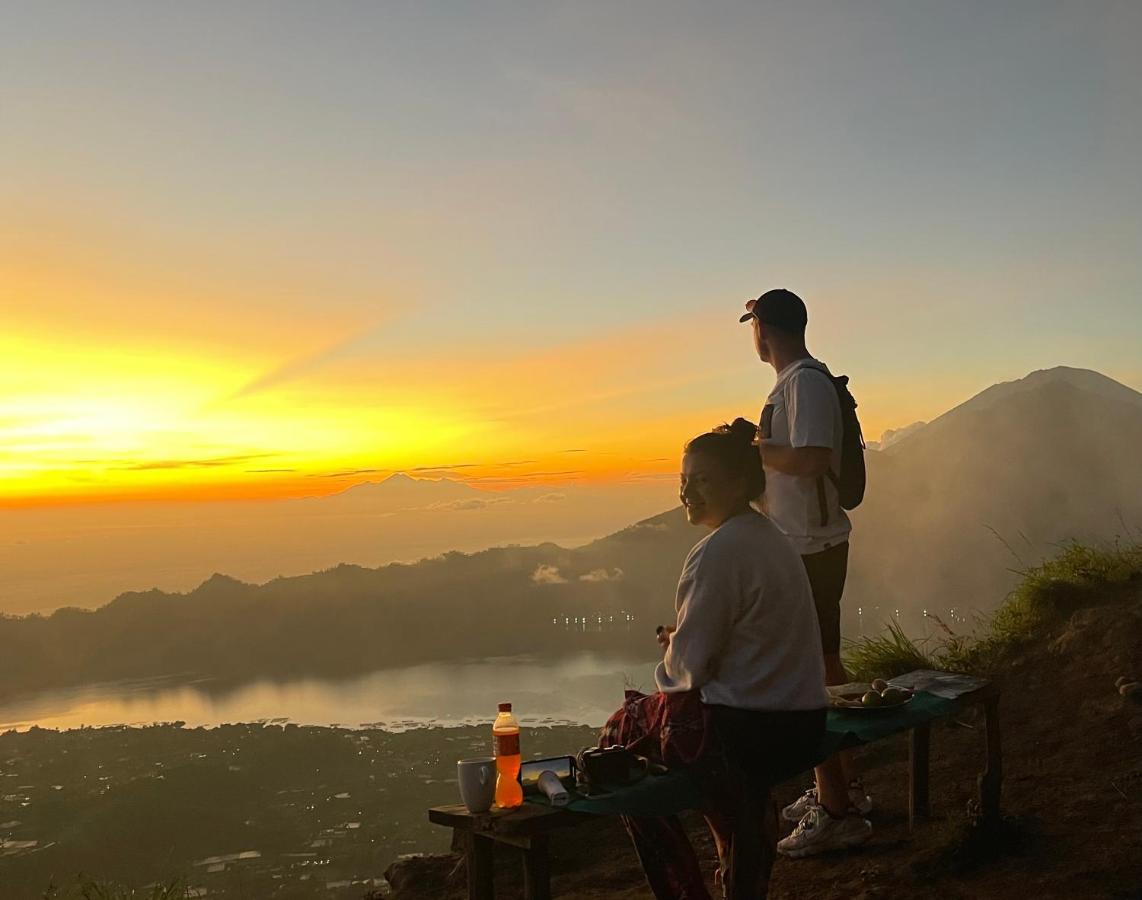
column 478, row 856
column 918, row 747
column 537, row 870
column 991, row 779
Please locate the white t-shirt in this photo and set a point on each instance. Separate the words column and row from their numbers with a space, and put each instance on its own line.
column 802, row 410
column 747, row 628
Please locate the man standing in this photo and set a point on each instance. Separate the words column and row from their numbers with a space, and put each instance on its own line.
column 801, row 434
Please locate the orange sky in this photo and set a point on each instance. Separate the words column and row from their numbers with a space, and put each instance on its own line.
column 134, row 382
column 510, row 245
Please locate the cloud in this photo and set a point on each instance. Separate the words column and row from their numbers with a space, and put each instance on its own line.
column 207, row 463
column 494, row 478
column 597, row 575
column 545, row 574
column 895, row 435
column 468, row 503
column 346, row 473
column 550, row 498
column 447, row 468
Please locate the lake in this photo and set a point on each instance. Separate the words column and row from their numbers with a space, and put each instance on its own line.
column 582, row 690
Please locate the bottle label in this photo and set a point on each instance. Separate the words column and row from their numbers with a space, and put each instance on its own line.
column 507, row 744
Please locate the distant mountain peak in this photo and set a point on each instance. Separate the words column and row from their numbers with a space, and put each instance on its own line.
column 404, row 478
column 218, row 581
column 1043, row 379
column 1087, row 378
column 401, row 491
column 1047, row 383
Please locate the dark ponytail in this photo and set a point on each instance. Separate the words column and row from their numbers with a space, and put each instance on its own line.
column 734, row 447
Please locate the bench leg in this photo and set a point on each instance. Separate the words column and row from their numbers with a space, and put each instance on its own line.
column 536, row 870
column 991, row 779
column 918, row 747
column 478, row 855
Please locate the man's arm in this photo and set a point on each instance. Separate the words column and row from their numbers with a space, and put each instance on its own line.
column 807, row 462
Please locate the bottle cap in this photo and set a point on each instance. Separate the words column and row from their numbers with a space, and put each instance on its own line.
column 505, row 707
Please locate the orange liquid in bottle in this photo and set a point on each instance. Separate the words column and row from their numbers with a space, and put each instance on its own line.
column 505, row 734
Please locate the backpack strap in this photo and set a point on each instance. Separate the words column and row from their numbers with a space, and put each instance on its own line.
column 822, row 497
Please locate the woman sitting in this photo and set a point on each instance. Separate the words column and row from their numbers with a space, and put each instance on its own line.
column 746, row 640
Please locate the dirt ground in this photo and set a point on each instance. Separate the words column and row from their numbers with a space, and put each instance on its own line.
column 1072, row 795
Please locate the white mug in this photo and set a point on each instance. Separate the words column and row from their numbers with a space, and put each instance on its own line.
column 477, row 779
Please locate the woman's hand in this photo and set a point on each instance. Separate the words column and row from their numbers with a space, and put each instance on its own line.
column 664, row 632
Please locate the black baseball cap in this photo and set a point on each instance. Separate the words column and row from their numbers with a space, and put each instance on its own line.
column 781, row 308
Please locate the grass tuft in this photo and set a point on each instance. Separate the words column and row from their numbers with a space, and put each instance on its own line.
column 1077, row 576
column 885, row 655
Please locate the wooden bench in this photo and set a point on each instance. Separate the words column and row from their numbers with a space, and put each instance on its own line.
column 527, row 828
column 989, row 783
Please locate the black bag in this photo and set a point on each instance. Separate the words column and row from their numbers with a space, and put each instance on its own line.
column 850, row 481
column 614, row 765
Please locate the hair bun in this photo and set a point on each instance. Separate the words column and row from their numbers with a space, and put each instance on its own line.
column 744, row 430
column 732, row 446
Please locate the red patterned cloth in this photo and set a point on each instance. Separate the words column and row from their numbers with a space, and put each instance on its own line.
column 678, row 730
column 673, row 729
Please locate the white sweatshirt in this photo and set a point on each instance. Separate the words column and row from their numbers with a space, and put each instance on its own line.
column 747, row 628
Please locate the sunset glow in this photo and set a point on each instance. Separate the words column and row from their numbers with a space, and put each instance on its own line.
column 274, row 268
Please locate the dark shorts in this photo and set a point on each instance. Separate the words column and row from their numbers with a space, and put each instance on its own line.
column 770, row 746
column 827, row 571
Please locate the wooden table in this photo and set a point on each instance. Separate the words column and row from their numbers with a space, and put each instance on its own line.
column 989, row 782
column 526, row 829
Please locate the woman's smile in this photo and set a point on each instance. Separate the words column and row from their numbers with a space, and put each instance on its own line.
column 694, row 508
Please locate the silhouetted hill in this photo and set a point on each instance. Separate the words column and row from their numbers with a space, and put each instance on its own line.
column 84, row 556
column 347, row 619
column 1029, row 464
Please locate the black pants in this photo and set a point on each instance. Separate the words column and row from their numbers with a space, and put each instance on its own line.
column 757, row 750
column 827, row 571
column 769, row 747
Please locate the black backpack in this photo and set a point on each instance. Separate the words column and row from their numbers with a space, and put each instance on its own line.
column 850, row 481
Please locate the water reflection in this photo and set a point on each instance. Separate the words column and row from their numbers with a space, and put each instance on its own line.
column 582, row 689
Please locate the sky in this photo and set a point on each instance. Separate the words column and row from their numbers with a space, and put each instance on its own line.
column 258, row 250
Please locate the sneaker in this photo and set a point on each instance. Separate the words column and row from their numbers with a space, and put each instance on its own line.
column 796, row 810
column 818, row 832
column 859, row 802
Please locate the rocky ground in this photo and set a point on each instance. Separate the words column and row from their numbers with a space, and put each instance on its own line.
column 1072, row 797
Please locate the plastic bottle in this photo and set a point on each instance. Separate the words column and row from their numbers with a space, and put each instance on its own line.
column 505, row 734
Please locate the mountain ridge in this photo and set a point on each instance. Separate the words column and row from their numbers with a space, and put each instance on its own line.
column 1084, row 379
